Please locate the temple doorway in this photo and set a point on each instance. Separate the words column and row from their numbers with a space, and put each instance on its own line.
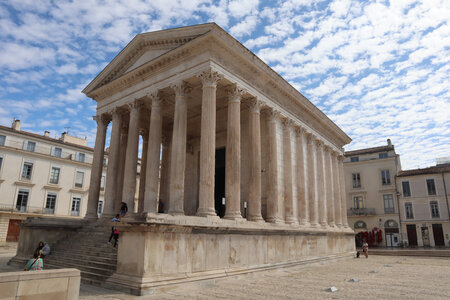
column 219, row 182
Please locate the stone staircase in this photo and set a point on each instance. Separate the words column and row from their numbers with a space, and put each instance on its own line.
column 86, row 250
column 428, row 252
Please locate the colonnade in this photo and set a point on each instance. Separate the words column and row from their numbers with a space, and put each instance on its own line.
column 317, row 176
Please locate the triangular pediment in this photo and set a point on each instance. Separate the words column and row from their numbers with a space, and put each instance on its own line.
column 144, row 48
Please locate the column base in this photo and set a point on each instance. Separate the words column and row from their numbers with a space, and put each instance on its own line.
column 314, row 225
column 204, row 212
column 333, row 225
column 275, row 220
column 304, row 223
column 234, row 215
column 255, row 218
column 291, row 220
column 176, row 213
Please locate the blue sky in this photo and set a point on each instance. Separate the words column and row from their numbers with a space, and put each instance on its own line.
column 378, row 69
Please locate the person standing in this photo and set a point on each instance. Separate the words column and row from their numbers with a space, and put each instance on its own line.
column 123, row 209
column 365, row 248
column 115, row 219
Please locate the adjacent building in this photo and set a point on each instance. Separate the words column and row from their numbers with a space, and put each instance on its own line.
column 424, row 205
column 370, row 189
column 42, row 176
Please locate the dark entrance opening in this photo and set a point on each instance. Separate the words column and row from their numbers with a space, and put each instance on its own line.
column 219, row 182
column 412, row 234
column 438, row 235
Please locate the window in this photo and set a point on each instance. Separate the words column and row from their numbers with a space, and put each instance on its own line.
column 81, row 157
column 357, row 202
column 431, row 187
column 57, row 152
column 390, row 224
column 79, row 179
column 406, row 189
column 1, row 162
column 105, row 161
column 2, row 140
column 434, row 209
column 102, row 183
column 388, row 203
column 356, row 179
column 354, row 158
column 54, row 175
column 22, row 200
column 75, row 211
column 409, row 210
column 382, row 155
column 100, row 207
column 360, row 224
column 30, row 146
column 27, row 170
column 50, row 203
column 385, row 177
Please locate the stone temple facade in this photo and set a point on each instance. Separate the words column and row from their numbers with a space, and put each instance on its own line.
column 240, row 172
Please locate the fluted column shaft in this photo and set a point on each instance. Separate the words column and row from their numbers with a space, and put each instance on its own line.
column 322, row 182
column 97, row 166
column 233, row 157
column 290, row 216
column 313, row 193
column 113, row 162
column 121, row 165
column 336, row 190
column 342, row 190
column 330, row 188
column 143, row 172
column 206, row 206
column 130, row 170
column 178, row 155
column 254, row 184
column 302, row 177
column 153, row 154
column 273, row 209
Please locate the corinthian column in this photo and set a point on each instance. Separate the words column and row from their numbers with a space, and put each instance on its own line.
column 322, row 183
column 342, row 189
column 208, row 143
column 254, row 180
column 302, row 176
column 130, row 170
column 233, row 156
column 97, row 166
column 330, row 187
column 153, row 155
column 336, row 190
column 113, row 162
column 290, row 216
column 178, row 157
column 313, row 194
column 143, row 172
column 273, row 201
column 121, row 164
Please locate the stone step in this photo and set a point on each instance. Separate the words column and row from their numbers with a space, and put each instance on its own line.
column 86, row 277
column 83, row 252
column 83, row 268
column 107, row 265
column 84, row 256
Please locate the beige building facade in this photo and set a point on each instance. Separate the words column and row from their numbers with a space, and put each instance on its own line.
column 424, row 206
column 42, row 176
column 371, row 194
column 237, row 165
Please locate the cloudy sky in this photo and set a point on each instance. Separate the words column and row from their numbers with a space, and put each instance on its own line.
column 379, row 69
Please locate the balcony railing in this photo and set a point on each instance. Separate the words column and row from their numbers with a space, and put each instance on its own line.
column 26, row 209
column 360, row 211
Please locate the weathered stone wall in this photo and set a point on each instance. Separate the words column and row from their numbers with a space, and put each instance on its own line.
column 36, row 285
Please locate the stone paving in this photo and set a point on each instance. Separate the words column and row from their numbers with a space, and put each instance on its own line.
column 396, row 278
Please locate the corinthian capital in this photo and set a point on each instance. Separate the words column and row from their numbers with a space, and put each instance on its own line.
column 210, row 77
column 235, row 93
column 255, row 105
column 181, row 88
column 155, row 99
column 273, row 114
column 102, row 119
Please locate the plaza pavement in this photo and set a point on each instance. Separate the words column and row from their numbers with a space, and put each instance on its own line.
column 396, row 278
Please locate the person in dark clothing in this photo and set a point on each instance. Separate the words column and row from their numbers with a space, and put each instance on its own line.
column 115, row 219
column 116, row 237
column 123, row 209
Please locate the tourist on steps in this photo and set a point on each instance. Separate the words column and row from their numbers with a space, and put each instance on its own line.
column 43, row 249
column 123, row 209
column 34, row 264
column 115, row 219
column 365, row 248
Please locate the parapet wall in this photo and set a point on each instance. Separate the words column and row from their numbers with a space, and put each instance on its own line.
column 46, row 284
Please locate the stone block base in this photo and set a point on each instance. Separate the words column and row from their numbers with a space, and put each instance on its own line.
column 178, row 249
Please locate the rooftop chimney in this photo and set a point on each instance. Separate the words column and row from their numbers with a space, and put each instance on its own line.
column 16, row 125
column 389, row 142
column 47, row 133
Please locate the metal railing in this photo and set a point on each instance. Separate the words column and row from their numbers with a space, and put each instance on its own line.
column 30, row 210
column 360, row 211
